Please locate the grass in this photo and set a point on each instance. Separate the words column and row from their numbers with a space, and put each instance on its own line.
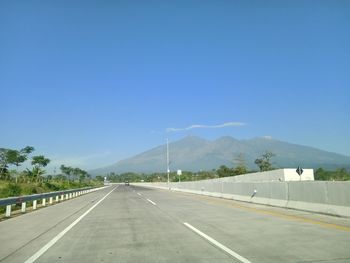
column 11, row 189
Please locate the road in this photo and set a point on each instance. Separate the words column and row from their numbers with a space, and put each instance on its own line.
column 136, row 224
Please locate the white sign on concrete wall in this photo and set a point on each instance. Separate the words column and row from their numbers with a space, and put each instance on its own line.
column 292, row 175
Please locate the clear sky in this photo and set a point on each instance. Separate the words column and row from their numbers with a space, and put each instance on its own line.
column 88, row 83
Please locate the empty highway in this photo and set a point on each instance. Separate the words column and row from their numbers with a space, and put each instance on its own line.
column 136, row 224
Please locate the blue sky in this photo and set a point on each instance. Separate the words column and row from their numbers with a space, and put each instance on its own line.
column 88, row 83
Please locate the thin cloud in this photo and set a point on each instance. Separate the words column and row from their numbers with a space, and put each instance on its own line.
column 199, row 126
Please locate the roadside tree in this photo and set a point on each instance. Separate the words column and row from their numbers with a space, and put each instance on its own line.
column 264, row 162
column 39, row 162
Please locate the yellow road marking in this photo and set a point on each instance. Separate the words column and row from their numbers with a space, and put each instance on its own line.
column 215, row 200
column 290, row 217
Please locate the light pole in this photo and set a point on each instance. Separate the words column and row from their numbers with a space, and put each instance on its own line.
column 167, row 160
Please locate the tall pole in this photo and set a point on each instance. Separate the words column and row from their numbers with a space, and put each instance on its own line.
column 167, row 160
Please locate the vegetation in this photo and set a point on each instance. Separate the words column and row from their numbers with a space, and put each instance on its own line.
column 264, row 162
column 340, row 174
column 161, row 177
column 10, row 157
column 35, row 180
column 223, row 171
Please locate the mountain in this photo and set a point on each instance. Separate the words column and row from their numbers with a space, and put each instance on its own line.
column 193, row 154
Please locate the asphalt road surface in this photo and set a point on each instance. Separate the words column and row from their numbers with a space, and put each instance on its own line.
column 136, row 224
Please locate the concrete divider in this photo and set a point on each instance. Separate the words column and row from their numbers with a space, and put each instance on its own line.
column 325, row 197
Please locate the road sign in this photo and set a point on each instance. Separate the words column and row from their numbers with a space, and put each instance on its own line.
column 179, row 173
column 299, row 171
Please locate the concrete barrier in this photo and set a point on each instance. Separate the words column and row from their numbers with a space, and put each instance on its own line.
column 315, row 196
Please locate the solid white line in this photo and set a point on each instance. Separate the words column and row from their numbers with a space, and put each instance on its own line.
column 219, row 245
column 153, row 203
column 139, row 194
column 60, row 235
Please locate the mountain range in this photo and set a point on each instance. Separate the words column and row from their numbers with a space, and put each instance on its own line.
column 194, row 154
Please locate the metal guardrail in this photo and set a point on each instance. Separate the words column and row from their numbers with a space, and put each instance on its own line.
column 59, row 195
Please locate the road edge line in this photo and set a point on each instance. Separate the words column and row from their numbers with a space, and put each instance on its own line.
column 41, row 251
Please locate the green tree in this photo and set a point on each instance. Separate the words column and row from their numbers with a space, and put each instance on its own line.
column 3, row 163
column 99, row 178
column 39, row 162
column 79, row 174
column 241, row 167
column 27, row 150
column 264, row 162
column 66, row 170
column 341, row 174
column 16, row 158
column 321, row 174
column 224, row 171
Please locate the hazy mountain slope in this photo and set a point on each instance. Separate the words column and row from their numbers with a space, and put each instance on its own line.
column 194, row 154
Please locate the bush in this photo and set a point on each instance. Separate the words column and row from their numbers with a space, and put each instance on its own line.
column 8, row 189
column 11, row 190
column 51, row 186
column 340, row 174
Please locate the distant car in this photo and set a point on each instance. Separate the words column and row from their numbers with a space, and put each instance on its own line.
column 126, row 182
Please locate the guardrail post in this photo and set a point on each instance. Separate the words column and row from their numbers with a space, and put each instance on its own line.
column 8, row 211
column 51, row 198
column 23, row 208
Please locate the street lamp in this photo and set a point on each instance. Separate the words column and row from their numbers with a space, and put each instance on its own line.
column 167, row 161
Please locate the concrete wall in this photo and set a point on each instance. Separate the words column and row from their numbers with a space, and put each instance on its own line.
column 289, row 174
column 315, row 196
